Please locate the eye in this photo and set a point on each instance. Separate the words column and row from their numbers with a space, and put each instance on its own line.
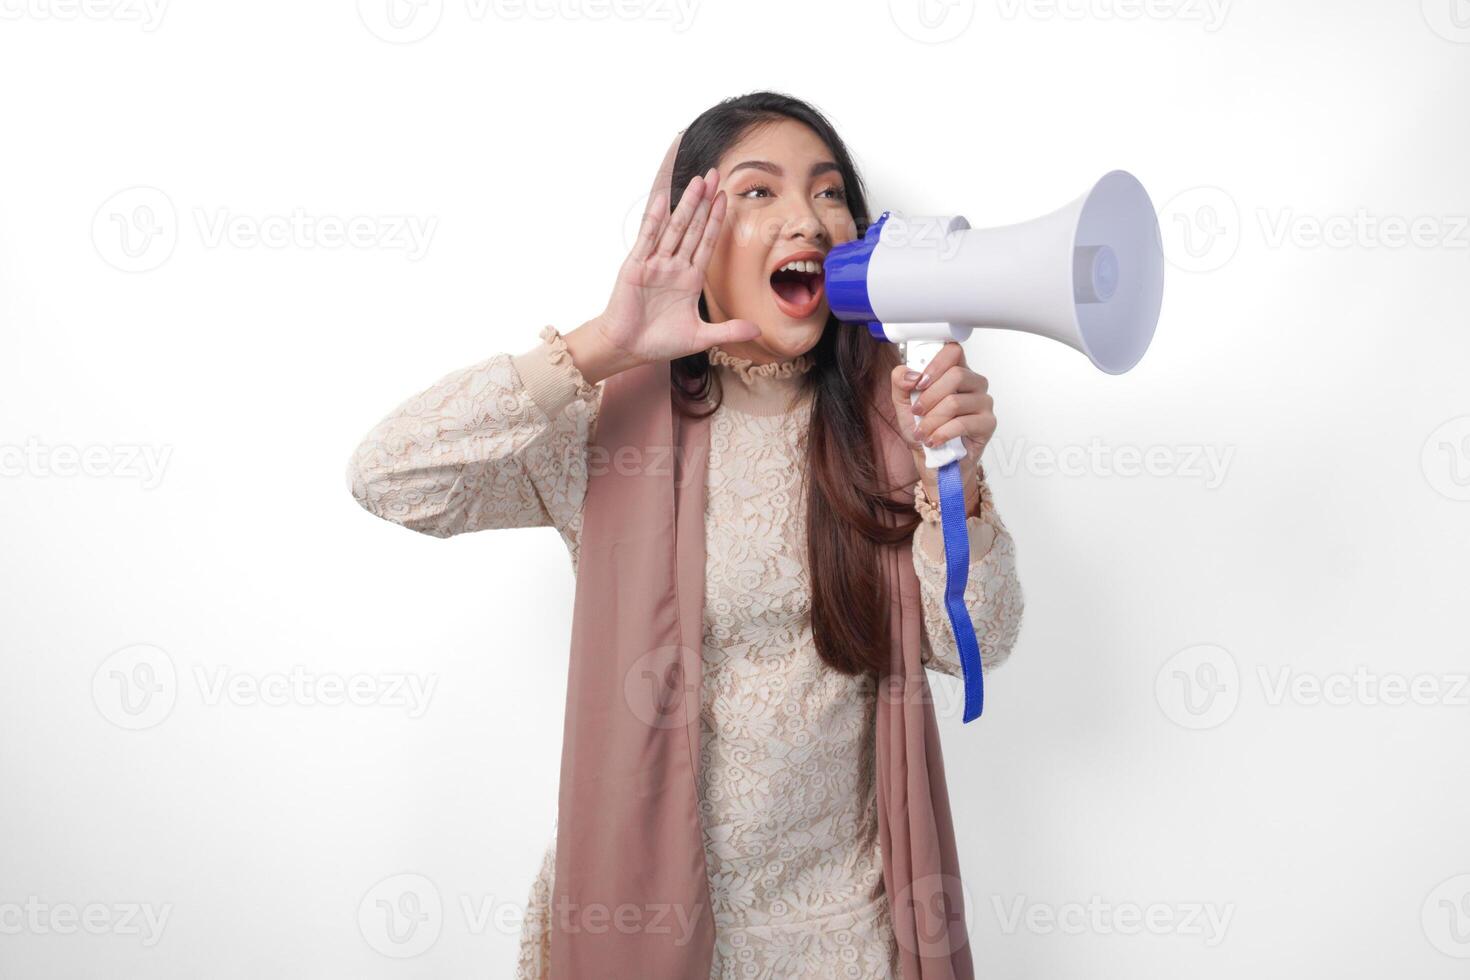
column 761, row 189
column 837, row 193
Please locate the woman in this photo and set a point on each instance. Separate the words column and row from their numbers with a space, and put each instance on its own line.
column 723, row 293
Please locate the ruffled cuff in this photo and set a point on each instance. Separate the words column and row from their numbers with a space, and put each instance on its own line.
column 929, row 541
column 929, row 536
column 929, row 509
column 548, row 374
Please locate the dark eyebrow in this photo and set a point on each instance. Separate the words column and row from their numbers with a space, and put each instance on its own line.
column 817, row 168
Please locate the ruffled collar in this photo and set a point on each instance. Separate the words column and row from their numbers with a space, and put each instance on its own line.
column 749, row 371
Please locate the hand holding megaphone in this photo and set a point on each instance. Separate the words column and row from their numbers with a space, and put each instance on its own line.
column 1090, row 275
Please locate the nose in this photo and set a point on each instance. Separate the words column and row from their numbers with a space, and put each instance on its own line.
column 802, row 223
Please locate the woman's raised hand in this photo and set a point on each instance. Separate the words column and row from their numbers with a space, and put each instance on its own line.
column 653, row 313
column 654, row 309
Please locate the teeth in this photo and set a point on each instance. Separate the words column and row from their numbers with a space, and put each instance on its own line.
column 801, row 266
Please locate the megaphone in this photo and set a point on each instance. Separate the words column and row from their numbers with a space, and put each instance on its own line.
column 1090, row 275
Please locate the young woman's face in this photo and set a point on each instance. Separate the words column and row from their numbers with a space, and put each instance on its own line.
column 786, row 203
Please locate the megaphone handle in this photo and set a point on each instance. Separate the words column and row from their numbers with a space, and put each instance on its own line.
column 917, row 355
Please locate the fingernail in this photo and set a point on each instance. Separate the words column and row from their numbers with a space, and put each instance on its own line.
column 910, row 376
column 923, row 383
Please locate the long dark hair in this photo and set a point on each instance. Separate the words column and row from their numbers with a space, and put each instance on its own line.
column 851, row 514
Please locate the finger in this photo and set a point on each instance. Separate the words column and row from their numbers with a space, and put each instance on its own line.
column 901, row 381
column 902, row 378
column 711, row 236
column 654, row 217
column 674, row 233
column 978, row 427
column 944, row 410
column 949, row 355
column 956, row 379
column 949, row 408
column 695, row 234
column 729, row 332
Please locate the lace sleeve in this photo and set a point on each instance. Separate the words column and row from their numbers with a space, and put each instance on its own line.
column 992, row 590
column 498, row 444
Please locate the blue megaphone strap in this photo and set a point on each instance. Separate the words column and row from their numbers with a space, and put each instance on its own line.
column 952, row 519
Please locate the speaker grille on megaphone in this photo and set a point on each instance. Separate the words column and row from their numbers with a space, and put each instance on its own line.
column 1090, row 275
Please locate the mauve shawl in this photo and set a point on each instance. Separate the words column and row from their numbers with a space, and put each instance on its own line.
column 630, row 897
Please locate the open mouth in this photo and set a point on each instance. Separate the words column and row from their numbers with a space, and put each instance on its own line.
column 798, row 287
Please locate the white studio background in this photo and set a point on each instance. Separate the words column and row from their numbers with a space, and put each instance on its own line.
column 1232, row 739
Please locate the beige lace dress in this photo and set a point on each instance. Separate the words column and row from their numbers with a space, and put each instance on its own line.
column 786, row 781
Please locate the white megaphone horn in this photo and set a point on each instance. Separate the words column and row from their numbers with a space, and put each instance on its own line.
column 1090, row 275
